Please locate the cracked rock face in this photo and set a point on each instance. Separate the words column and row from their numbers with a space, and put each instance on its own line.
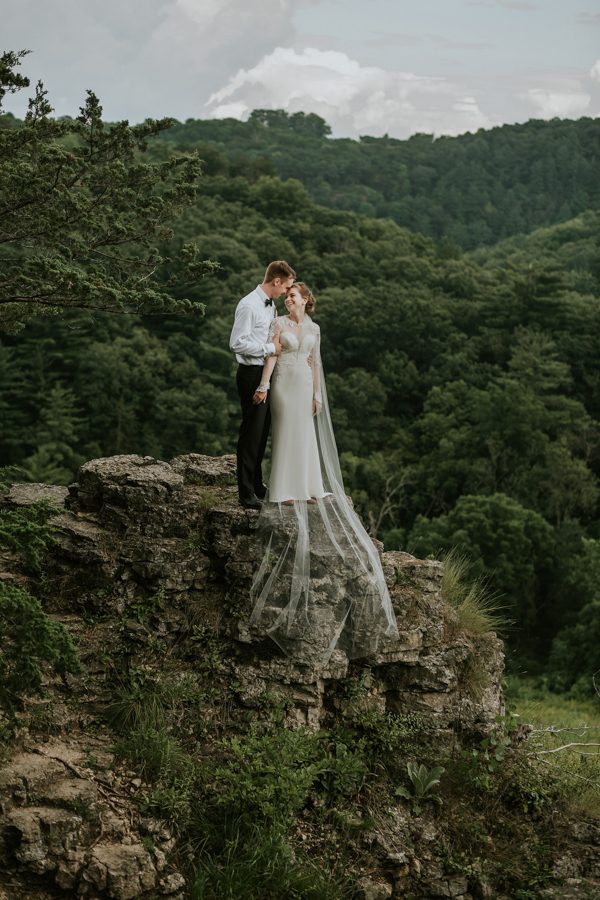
column 136, row 531
column 62, row 825
column 135, row 525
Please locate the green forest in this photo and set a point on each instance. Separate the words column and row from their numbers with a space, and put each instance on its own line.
column 458, row 295
column 473, row 189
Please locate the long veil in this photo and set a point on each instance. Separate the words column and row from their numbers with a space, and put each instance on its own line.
column 320, row 586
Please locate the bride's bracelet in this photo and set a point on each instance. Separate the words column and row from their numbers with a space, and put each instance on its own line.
column 263, row 387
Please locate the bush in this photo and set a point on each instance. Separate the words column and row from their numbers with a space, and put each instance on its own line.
column 28, row 638
column 25, row 530
column 575, row 655
column 268, row 776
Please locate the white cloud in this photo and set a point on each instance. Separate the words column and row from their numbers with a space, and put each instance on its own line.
column 564, row 104
column 354, row 99
column 142, row 57
column 354, row 67
column 518, row 5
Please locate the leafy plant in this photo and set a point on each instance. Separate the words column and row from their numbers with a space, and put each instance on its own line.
column 531, row 788
column 388, row 733
column 268, row 775
column 356, row 687
column 274, row 704
column 235, row 604
column 209, row 649
column 423, row 782
column 25, row 530
column 346, row 763
column 492, row 749
column 28, row 638
column 145, row 607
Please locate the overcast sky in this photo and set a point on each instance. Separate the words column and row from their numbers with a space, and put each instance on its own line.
column 367, row 66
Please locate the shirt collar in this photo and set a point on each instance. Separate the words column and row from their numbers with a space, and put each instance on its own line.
column 261, row 293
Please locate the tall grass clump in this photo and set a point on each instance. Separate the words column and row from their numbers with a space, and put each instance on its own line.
column 252, row 863
column 477, row 608
column 234, row 801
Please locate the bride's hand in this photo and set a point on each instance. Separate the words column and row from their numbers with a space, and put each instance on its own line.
column 316, row 407
column 259, row 397
column 277, row 343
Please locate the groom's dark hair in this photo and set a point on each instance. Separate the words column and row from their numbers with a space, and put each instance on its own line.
column 278, row 269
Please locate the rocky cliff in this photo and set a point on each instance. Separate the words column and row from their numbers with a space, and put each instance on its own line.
column 151, row 572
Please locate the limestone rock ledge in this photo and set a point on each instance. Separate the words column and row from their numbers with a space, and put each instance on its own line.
column 137, row 527
column 169, row 538
column 64, row 825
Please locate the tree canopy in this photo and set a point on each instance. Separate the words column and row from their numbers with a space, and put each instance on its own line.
column 477, row 188
column 85, row 221
column 464, row 386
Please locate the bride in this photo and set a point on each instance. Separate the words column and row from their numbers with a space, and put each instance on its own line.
column 320, row 585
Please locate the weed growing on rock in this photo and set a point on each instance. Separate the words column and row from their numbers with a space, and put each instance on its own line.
column 208, row 649
column 423, row 782
column 477, row 609
column 248, row 863
column 26, row 530
column 28, row 639
column 274, row 705
column 144, row 608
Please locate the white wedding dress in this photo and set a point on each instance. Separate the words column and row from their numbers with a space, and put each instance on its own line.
column 319, row 587
column 295, row 387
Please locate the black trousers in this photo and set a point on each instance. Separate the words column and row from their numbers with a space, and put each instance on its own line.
column 254, row 431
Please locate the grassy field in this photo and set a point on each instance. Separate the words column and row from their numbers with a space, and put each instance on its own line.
column 562, row 722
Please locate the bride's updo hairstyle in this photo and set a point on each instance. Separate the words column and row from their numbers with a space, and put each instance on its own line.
column 306, row 293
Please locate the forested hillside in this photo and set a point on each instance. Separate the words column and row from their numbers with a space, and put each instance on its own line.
column 140, row 701
column 473, row 189
column 464, row 385
column 464, row 388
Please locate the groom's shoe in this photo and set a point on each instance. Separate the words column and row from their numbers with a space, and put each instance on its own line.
column 250, row 502
column 261, row 491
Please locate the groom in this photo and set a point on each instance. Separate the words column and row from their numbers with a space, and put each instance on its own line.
column 250, row 342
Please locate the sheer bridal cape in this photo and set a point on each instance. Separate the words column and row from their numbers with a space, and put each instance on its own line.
column 319, row 586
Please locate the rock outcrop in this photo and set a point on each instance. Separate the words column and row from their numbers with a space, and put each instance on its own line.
column 134, row 527
column 152, row 550
column 67, row 825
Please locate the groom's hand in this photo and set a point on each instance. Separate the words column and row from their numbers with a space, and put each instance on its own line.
column 259, row 397
column 277, row 343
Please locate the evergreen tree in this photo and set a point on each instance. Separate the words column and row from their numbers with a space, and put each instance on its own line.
column 57, row 434
column 83, row 216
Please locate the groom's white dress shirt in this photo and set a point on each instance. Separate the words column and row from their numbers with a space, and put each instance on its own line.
column 250, row 332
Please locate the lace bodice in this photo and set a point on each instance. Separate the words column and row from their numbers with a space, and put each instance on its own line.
column 300, row 345
column 299, row 339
